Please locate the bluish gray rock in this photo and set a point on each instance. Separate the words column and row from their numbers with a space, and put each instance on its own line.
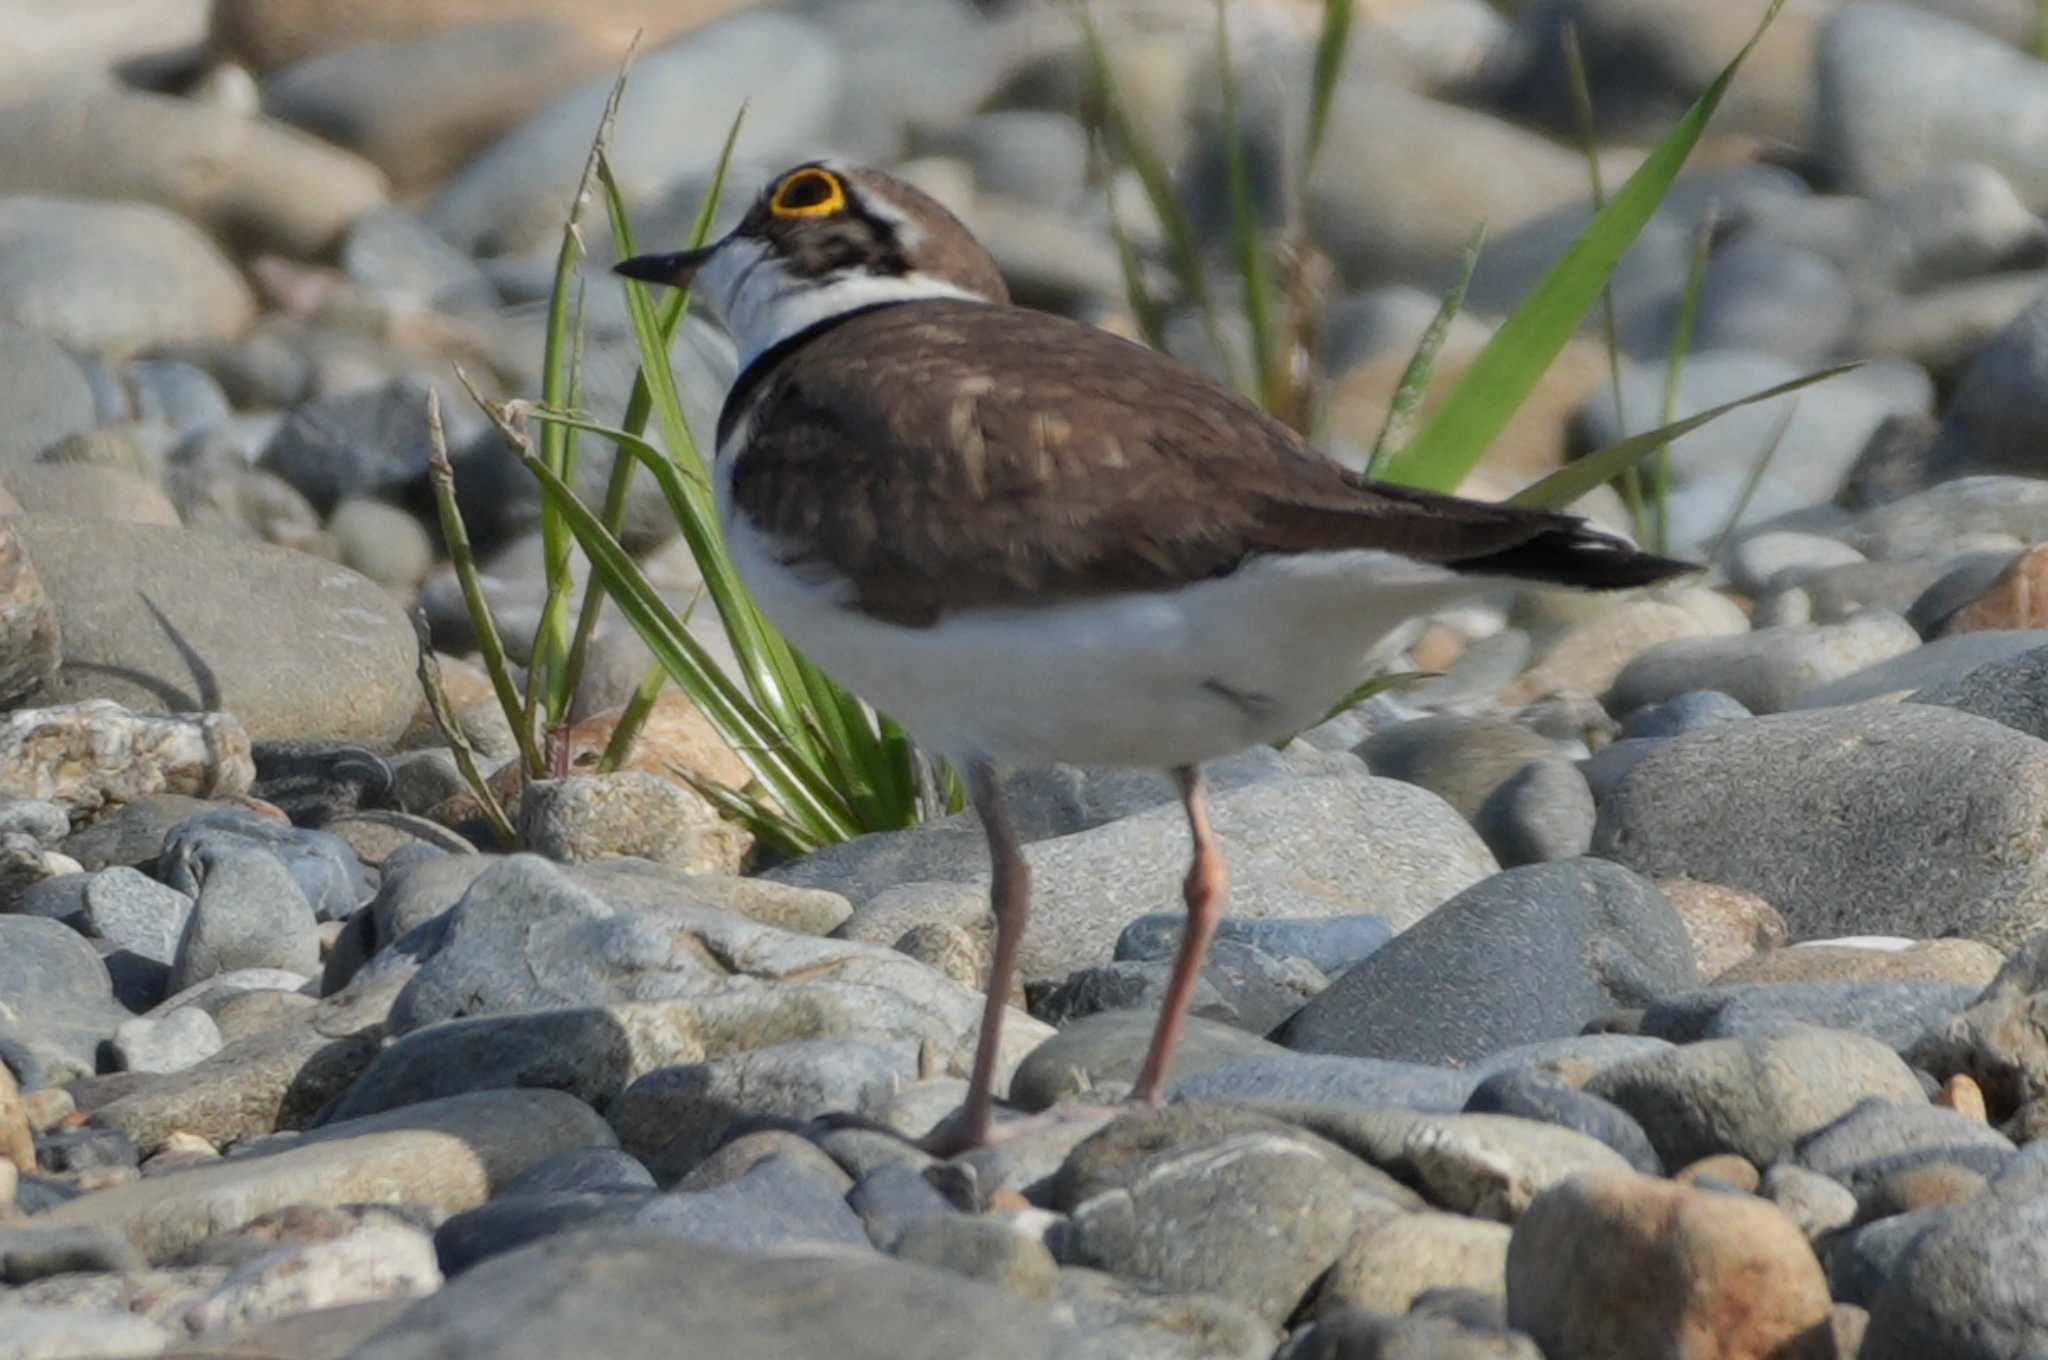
column 1108, row 1048
column 302, row 648
column 1878, row 68
column 324, row 866
column 1238, row 985
column 58, row 995
column 1969, row 1288
column 1542, row 812
column 2013, row 692
column 594, row 1168
column 43, row 395
column 177, row 1041
column 249, row 914
column 682, row 1111
column 1328, row 1080
column 134, row 913
column 372, row 441
column 1898, row 819
column 1876, row 1130
column 635, row 1291
column 1932, row 663
column 1861, row 1261
column 1528, row 1093
column 1535, row 952
column 1757, row 1096
column 1769, row 670
column 1894, row 1013
column 1331, row 943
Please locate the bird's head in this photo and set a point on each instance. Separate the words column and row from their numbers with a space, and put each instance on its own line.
column 822, row 240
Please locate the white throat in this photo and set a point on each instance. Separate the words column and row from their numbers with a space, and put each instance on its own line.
column 763, row 305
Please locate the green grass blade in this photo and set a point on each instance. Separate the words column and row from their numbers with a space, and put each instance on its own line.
column 1751, row 482
column 632, row 718
column 1414, row 384
column 454, row 533
column 763, row 656
column 1379, row 684
column 1589, row 145
column 1581, row 475
column 1507, row 370
column 563, row 343
column 797, row 787
column 1331, row 40
column 1681, row 344
column 1247, row 244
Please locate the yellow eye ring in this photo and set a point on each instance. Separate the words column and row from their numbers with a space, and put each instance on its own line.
column 809, row 192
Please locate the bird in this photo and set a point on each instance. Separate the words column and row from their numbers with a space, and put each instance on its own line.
column 1033, row 542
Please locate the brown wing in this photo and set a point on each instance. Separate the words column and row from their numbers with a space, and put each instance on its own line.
column 948, row 455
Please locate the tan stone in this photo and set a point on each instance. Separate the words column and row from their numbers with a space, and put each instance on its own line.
column 1969, row 962
column 962, row 953
column 1613, row 1265
column 267, row 34
column 446, row 1154
column 1962, row 1094
column 1402, row 1255
column 88, row 755
column 17, row 1144
column 1588, row 657
column 1726, row 925
column 675, row 735
column 2017, row 599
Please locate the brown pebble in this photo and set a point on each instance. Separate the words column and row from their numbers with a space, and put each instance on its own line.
column 1008, row 1201
column 1962, row 1094
column 17, row 1144
column 1611, row 1265
column 1725, row 1167
column 48, row 1108
column 1923, row 1187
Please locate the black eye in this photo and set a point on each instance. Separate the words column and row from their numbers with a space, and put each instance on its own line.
column 808, row 193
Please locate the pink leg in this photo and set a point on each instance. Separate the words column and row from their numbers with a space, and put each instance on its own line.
column 1204, row 893
column 1011, row 894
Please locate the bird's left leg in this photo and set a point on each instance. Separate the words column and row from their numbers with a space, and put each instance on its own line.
column 1204, row 893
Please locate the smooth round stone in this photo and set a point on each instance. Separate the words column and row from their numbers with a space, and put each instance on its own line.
column 1877, row 1132
column 172, row 1044
column 1529, row 1093
column 43, row 395
column 382, row 542
column 1969, row 1287
column 1818, row 1204
column 1110, row 1047
column 1238, row 985
column 1533, row 952
column 515, row 194
column 1767, row 672
column 1879, row 67
column 58, row 994
column 180, row 395
column 134, row 913
column 250, row 913
column 1542, row 812
column 1773, row 296
column 44, row 821
column 1755, row 1096
column 1932, row 663
column 246, row 180
column 2013, row 691
column 372, row 441
column 1328, row 1080
column 1961, row 220
column 1615, row 1263
column 300, row 648
column 1924, row 826
column 98, row 277
column 1895, row 1013
column 1759, row 561
column 91, row 491
column 395, row 255
column 1461, row 760
column 323, row 866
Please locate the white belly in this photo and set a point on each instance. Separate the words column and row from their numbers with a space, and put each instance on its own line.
column 1149, row 679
